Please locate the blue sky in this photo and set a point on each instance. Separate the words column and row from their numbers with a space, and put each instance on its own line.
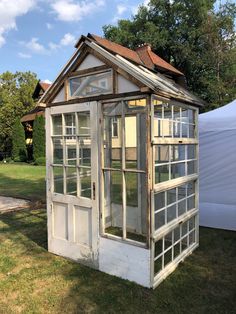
column 39, row 35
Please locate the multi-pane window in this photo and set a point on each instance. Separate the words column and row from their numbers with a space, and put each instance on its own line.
column 174, row 161
column 91, row 85
column 71, row 164
column 124, row 170
column 171, row 121
column 175, row 149
column 174, row 243
column 173, row 203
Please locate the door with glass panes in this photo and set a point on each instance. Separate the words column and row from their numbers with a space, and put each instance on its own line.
column 72, row 181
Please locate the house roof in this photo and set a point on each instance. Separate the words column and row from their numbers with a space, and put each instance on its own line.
column 142, row 55
column 40, row 87
column 130, row 62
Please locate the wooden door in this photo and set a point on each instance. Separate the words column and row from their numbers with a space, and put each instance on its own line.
column 72, row 177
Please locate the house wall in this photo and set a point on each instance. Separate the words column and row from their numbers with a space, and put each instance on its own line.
column 89, row 62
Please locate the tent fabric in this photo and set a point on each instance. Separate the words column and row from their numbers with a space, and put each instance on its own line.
column 217, row 165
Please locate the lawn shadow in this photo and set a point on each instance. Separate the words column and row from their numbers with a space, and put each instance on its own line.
column 31, row 189
column 32, row 224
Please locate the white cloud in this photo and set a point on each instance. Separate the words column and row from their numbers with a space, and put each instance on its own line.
column 121, row 8
column 9, row 11
column 49, row 25
column 72, row 11
column 35, row 46
column 24, row 55
column 68, row 40
column 47, row 81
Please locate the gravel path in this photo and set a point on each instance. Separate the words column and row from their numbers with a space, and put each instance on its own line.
column 10, row 203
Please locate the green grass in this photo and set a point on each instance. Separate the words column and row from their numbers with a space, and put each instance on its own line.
column 35, row 281
column 23, row 181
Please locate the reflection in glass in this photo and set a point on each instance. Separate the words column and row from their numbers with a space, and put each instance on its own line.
column 57, row 124
column 85, row 182
column 71, row 181
column 83, row 123
column 58, row 179
column 57, row 151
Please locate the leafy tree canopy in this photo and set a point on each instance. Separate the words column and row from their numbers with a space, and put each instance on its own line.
column 39, row 137
column 18, row 142
column 16, row 91
column 192, row 35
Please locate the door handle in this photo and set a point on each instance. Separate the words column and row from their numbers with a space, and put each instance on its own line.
column 94, row 191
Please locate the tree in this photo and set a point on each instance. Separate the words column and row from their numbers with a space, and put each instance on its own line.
column 16, row 91
column 18, row 142
column 39, row 137
column 192, row 35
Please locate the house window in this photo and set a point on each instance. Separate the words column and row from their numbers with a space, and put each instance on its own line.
column 91, row 85
column 114, row 127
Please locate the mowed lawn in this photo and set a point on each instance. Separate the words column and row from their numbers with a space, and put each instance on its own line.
column 35, row 281
column 23, row 181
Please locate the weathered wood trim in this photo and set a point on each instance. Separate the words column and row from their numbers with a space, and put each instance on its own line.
column 98, row 98
column 97, row 69
column 115, row 81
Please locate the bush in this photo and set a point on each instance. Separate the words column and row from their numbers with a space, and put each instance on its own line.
column 39, row 137
column 41, row 161
column 18, row 142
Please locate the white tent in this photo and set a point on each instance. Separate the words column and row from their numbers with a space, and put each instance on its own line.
column 217, row 137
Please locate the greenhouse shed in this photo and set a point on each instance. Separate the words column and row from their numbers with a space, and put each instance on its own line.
column 122, row 162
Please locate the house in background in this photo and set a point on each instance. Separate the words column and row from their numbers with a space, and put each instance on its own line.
column 122, row 162
column 28, row 119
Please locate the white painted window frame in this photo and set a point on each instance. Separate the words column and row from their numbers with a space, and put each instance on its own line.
column 163, row 186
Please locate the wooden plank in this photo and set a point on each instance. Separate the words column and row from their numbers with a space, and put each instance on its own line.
column 98, row 98
column 97, row 69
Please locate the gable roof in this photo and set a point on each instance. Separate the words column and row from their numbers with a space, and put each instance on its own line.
column 40, row 87
column 142, row 55
column 158, row 83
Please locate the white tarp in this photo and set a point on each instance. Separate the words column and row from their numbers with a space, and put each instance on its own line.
column 217, row 163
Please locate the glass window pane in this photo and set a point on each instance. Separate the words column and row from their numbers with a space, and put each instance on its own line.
column 58, row 179
column 112, row 145
column 190, row 188
column 159, row 199
column 191, row 131
column 158, row 265
column 191, row 202
column 168, row 240
column 158, row 247
column 159, row 219
column 171, row 213
column 161, row 154
column 131, row 180
column 113, row 202
column 168, row 257
column 182, row 192
column 191, row 167
column 70, row 126
column 181, row 207
column 161, row 173
column 57, row 150
column 84, row 127
column 171, row 196
column 91, row 85
column 191, row 149
column 131, row 142
column 57, row 125
column 178, row 152
column 70, row 153
column 177, row 170
column 84, row 155
column 71, row 181
column 85, row 182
